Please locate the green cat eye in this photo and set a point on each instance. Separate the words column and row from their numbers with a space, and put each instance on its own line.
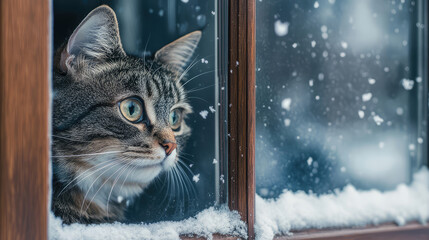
column 131, row 109
column 175, row 119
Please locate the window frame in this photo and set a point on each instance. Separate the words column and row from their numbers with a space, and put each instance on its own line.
column 25, row 141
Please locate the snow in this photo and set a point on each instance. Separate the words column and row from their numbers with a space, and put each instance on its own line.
column 286, row 103
column 196, row 178
column 366, row 97
column 344, row 45
column 378, row 120
column 281, row 28
column 371, row 81
column 313, row 43
column 309, row 161
column 204, row 114
column 361, row 114
column 399, row 111
column 211, row 108
column 316, row 4
column 214, row 161
column 344, row 208
column 419, row 79
column 287, row 122
column 420, row 140
column 185, row 1
column 407, row 84
column 204, row 224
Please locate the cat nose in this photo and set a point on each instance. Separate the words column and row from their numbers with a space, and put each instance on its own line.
column 168, row 146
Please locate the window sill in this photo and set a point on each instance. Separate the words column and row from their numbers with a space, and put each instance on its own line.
column 415, row 231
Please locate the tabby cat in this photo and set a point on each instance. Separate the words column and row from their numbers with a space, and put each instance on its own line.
column 118, row 120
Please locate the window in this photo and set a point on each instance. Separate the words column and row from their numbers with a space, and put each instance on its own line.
column 169, row 199
column 340, row 108
column 249, row 43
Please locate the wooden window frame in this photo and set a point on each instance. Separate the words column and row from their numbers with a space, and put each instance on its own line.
column 25, row 123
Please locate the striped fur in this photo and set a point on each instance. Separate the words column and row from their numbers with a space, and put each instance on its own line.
column 100, row 158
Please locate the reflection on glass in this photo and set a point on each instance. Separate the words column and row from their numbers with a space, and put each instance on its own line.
column 145, row 27
column 339, row 94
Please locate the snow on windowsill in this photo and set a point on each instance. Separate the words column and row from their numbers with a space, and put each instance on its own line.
column 346, row 208
column 204, row 224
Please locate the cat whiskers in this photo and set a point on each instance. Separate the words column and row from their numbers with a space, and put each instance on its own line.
column 128, row 165
column 199, row 75
column 92, row 184
column 179, row 185
column 193, row 63
column 69, row 139
column 199, row 89
column 88, row 154
column 108, row 162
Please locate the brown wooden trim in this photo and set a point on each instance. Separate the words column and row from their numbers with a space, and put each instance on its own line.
column 242, row 102
column 413, row 231
column 215, row 237
column 24, row 119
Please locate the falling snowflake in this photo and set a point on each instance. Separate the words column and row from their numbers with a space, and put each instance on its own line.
column 222, row 178
column 196, row 178
column 378, row 120
column 309, row 161
column 204, row 114
column 316, row 4
column 287, row 122
column 366, row 97
column 407, row 84
column 281, row 28
column 286, row 103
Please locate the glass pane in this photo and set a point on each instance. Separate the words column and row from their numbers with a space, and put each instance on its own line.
column 145, row 27
column 340, row 95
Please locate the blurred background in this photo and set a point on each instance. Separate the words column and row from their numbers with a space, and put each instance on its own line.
column 145, row 27
column 341, row 94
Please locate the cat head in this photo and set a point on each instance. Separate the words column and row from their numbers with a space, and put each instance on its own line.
column 123, row 114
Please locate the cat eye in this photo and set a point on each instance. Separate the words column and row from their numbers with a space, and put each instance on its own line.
column 175, row 119
column 131, row 109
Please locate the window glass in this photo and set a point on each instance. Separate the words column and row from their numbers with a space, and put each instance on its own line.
column 145, row 27
column 340, row 114
column 340, row 94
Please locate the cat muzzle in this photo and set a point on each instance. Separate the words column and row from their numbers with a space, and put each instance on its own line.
column 168, row 146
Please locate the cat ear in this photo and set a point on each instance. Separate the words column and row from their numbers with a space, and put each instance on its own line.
column 178, row 53
column 96, row 38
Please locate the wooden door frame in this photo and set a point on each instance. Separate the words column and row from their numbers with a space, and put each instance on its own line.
column 24, row 118
column 242, row 110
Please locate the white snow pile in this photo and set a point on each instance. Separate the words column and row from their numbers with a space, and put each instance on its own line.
column 346, row 208
column 204, row 224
